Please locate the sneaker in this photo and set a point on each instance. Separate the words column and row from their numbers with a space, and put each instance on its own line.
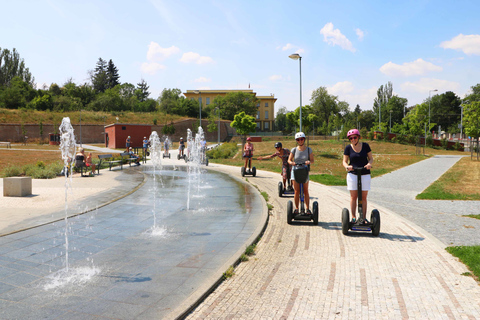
column 295, row 211
column 353, row 220
column 308, row 211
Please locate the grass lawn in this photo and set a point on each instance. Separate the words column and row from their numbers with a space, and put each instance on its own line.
column 458, row 183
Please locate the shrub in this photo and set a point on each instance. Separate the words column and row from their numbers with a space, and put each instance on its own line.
column 371, row 135
column 394, row 139
column 364, row 132
column 11, row 171
column 444, row 143
column 458, row 146
column 224, row 151
column 401, row 139
column 429, row 141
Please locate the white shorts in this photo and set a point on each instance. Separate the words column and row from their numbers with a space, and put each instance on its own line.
column 352, row 181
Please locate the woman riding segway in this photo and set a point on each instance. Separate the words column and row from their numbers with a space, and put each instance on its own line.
column 357, row 154
column 301, row 155
column 283, row 154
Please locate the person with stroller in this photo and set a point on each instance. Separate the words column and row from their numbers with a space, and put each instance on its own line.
column 357, row 154
column 301, row 155
column 283, row 154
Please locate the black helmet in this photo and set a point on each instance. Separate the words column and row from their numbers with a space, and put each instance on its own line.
column 278, row 145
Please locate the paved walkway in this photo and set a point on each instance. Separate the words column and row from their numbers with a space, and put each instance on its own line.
column 299, row 271
column 315, row 272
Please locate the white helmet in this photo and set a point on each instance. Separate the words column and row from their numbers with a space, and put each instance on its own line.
column 299, row 135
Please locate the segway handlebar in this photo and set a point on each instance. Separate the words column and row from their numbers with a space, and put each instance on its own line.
column 359, row 169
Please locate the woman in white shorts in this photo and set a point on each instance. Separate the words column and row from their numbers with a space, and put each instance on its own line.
column 357, row 154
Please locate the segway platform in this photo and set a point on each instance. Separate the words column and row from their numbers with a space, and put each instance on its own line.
column 284, row 192
column 246, row 172
column 167, row 156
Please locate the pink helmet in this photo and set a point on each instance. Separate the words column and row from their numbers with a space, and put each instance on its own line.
column 249, row 139
column 352, row 132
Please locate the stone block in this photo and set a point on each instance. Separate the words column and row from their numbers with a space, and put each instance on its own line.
column 17, row 186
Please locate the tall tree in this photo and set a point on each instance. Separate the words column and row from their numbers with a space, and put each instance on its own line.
column 169, row 100
column 324, row 105
column 142, row 91
column 11, row 65
column 99, row 76
column 234, row 102
column 384, row 94
column 112, row 75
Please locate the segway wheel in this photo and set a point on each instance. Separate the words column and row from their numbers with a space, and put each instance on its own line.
column 254, row 171
column 185, row 158
column 243, row 171
column 375, row 219
column 345, row 220
column 280, row 189
column 289, row 212
column 315, row 213
column 178, row 156
column 169, row 156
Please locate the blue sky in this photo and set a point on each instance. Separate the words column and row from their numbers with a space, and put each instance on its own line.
column 350, row 47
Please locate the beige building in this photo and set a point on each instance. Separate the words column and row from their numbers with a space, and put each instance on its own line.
column 266, row 106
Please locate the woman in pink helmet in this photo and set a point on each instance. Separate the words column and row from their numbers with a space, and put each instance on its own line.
column 357, row 154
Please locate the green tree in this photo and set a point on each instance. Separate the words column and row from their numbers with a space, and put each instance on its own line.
column 17, row 94
column 324, row 105
column 142, row 91
column 112, row 75
column 384, row 94
column 471, row 119
column 169, row 101
column 11, row 65
column 99, row 76
column 244, row 124
column 445, row 111
column 235, row 102
column 281, row 120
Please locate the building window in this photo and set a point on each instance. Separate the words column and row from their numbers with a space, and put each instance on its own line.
column 266, row 104
column 266, row 114
column 208, row 100
column 258, row 125
column 258, row 104
column 258, row 114
column 266, row 125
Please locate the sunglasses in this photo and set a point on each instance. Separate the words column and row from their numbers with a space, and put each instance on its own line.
column 353, row 138
column 300, row 139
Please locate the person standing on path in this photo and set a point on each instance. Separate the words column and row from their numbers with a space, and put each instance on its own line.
column 357, row 154
column 301, row 155
column 128, row 141
column 282, row 153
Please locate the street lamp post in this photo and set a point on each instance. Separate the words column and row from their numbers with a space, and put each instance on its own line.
column 218, row 128
column 296, row 56
column 429, row 101
column 199, row 104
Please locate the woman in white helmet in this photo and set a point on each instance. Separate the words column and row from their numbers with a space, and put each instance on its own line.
column 301, row 154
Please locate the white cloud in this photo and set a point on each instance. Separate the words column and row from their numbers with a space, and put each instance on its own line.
column 157, row 53
column 202, row 79
column 288, row 46
column 151, row 67
column 335, row 38
column 193, row 57
column 275, row 77
column 469, row 44
column 340, row 88
column 291, row 47
column 360, row 34
column 415, row 68
column 424, row 85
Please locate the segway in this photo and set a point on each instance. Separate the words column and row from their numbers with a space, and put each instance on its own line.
column 246, row 172
column 287, row 191
column 301, row 175
column 167, row 155
column 361, row 223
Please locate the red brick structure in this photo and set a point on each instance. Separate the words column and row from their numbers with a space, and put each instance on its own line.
column 116, row 135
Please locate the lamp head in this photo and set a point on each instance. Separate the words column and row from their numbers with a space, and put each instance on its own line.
column 295, row 56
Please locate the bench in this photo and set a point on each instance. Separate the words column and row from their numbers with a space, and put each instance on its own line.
column 129, row 159
column 102, row 157
column 7, row 144
column 80, row 164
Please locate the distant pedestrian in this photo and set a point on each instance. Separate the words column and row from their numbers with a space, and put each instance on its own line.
column 146, row 143
column 128, row 142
